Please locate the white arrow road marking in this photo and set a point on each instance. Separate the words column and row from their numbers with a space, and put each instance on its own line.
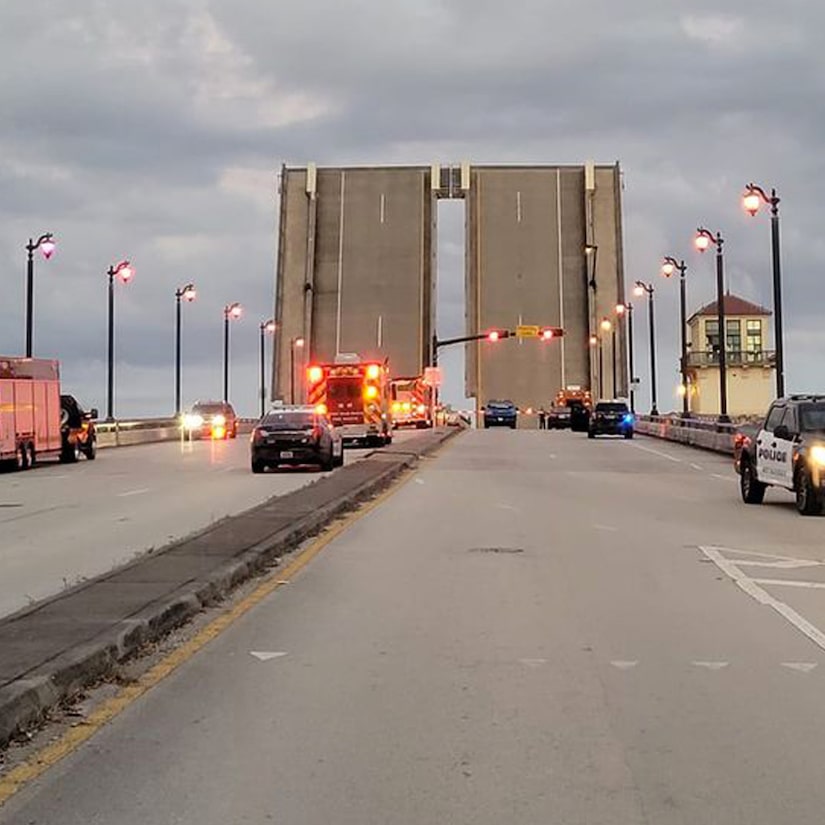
column 266, row 655
column 623, row 664
column 533, row 662
column 802, row 667
column 763, row 597
column 791, row 583
column 711, row 665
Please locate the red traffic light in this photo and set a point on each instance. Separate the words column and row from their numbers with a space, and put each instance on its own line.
column 549, row 333
column 498, row 334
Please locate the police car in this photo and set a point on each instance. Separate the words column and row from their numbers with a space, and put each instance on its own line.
column 787, row 451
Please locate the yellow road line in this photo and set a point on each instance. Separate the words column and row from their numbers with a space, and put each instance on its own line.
column 40, row 762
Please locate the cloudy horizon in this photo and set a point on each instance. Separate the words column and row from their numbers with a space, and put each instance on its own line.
column 156, row 133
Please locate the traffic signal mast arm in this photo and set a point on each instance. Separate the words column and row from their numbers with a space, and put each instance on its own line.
column 544, row 333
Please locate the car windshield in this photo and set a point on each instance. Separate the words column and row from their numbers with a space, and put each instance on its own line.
column 210, row 409
column 289, row 421
column 813, row 417
column 611, row 407
column 500, row 405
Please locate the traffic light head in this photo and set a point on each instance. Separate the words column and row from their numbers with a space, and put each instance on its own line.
column 549, row 333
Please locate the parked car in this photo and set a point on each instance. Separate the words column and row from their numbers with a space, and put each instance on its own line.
column 611, row 418
column 500, row 414
column 295, row 436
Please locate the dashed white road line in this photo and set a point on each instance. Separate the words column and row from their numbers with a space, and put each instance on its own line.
column 533, row 662
column 624, row 664
column 721, row 477
column 697, row 467
column 658, row 453
column 802, row 667
column 711, row 665
column 128, row 493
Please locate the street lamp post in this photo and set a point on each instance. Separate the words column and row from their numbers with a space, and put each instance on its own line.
column 47, row 244
column 703, row 240
column 753, row 198
column 626, row 311
column 266, row 328
column 605, row 326
column 124, row 272
column 641, row 289
column 670, row 266
column 233, row 312
column 187, row 293
column 295, row 343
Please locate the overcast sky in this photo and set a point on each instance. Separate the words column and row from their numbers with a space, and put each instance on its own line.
column 153, row 131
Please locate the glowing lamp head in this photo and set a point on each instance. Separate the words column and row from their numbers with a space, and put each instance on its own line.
column 620, row 309
column 235, row 311
column 593, row 340
column 48, row 246
column 638, row 290
column 315, row 374
column 189, row 293
column 606, row 325
column 667, row 269
column 702, row 242
column 126, row 273
column 373, row 372
column 681, row 390
column 298, row 343
column 751, row 202
column 269, row 327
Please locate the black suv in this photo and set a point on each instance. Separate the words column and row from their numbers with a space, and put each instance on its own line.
column 500, row 414
column 295, row 436
column 611, row 418
column 788, row 451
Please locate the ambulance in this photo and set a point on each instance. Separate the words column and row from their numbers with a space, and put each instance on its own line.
column 355, row 395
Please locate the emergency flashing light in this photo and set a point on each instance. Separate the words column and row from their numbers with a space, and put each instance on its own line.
column 373, row 372
column 321, row 409
column 315, row 374
column 370, row 392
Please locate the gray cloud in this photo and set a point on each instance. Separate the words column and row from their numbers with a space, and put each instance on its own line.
column 154, row 131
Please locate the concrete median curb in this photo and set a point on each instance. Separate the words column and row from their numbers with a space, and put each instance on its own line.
column 113, row 617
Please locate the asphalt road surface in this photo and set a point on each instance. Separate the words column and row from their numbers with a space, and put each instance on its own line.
column 60, row 524
column 535, row 629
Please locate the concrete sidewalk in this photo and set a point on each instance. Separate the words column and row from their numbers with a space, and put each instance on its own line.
column 50, row 651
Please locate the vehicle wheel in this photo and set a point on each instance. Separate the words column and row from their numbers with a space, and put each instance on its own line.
column 258, row 466
column 234, row 433
column 628, row 435
column 808, row 498
column 21, row 458
column 591, row 434
column 339, row 460
column 328, row 463
column 91, row 450
column 31, row 456
column 512, row 426
column 753, row 490
column 69, row 454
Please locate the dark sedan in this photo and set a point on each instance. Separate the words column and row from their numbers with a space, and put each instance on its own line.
column 295, row 437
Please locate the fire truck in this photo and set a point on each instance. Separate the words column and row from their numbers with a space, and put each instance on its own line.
column 412, row 402
column 579, row 402
column 355, row 395
column 36, row 421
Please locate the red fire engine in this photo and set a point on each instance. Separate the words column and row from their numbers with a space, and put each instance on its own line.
column 412, row 402
column 355, row 395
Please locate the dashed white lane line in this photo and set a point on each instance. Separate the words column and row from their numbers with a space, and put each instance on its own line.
column 507, row 507
column 762, row 596
column 266, row 655
column 721, row 477
column 802, row 667
column 128, row 493
column 697, row 467
column 624, row 664
column 533, row 662
column 658, row 453
column 711, row 665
